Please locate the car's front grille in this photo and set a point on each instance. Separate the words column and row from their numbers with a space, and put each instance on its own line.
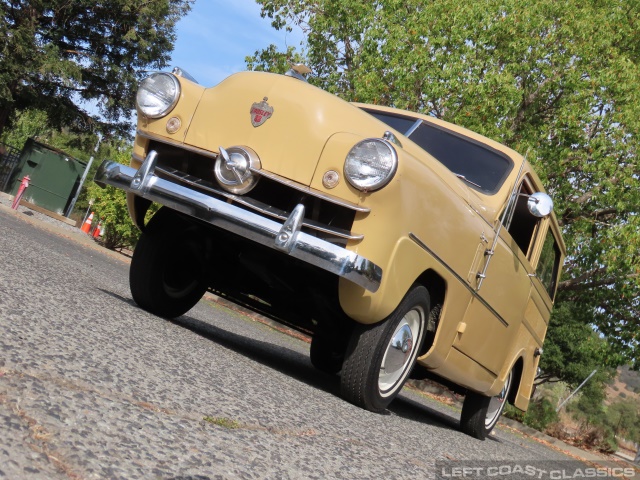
column 326, row 219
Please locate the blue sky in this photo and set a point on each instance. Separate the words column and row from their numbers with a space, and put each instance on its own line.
column 216, row 36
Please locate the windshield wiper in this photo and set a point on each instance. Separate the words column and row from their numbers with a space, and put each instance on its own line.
column 462, row 177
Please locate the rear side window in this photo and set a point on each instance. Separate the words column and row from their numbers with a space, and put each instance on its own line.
column 479, row 164
column 549, row 264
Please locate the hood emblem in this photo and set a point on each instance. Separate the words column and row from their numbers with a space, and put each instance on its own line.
column 260, row 112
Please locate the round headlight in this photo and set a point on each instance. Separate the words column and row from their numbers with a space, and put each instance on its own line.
column 158, row 94
column 371, row 164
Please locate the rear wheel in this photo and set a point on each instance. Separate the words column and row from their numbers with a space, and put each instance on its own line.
column 480, row 413
column 167, row 276
column 380, row 357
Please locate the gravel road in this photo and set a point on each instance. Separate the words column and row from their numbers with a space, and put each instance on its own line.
column 93, row 387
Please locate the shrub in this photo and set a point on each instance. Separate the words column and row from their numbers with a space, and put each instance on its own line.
column 110, row 207
column 599, row 438
column 513, row 413
column 540, row 415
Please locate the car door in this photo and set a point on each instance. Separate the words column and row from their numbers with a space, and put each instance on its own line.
column 496, row 311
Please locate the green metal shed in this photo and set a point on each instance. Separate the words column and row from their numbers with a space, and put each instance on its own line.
column 55, row 176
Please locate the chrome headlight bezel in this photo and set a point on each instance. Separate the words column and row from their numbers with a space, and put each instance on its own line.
column 158, row 95
column 386, row 164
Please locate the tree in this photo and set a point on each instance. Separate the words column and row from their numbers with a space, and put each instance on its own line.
column 27, row 124
column 60, row 57
column 623, row 418
column 573, row 350
column 559, row 81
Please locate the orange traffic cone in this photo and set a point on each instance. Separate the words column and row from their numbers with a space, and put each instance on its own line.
column 98, row 230
column 87, row 224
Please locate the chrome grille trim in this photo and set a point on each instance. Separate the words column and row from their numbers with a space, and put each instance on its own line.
column 271, row 176
column 309, row 249
column 310, row 191
column 255, row 205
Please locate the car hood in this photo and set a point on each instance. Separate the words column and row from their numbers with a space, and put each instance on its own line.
column 284, row 120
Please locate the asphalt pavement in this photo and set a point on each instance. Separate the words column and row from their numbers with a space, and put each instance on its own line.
column 91, row 386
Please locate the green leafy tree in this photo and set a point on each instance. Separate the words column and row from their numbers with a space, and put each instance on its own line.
column 589, row 405
column 59, row 56
column 560, row 80
column 272, row 60
column 624, row 418
column 572, row 350
column 27, row 124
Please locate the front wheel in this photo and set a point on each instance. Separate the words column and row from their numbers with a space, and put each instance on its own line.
column 480, row 413
column 167, row 276
column 380, row 357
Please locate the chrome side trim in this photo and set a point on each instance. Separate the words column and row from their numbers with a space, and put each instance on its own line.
column 272, row 176
column 305, row 247
column 422, row 245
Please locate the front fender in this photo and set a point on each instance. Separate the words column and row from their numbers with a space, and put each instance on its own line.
column 405, row 264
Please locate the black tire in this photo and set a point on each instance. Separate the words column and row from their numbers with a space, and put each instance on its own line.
column 480, row 413
column 167, row 276
column 325, row 355
column 364, row 382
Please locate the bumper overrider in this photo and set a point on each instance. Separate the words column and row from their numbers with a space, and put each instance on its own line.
column 286, row 237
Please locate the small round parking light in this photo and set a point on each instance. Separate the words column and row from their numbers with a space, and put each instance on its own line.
column 330, row 179
column 173, row 125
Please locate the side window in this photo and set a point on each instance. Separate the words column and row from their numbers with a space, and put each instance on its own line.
column 524, row 225
column 549, row 264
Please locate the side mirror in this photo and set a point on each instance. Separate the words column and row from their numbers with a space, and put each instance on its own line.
column 540, row 204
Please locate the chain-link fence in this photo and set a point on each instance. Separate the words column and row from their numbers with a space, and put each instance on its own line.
column 9, row 157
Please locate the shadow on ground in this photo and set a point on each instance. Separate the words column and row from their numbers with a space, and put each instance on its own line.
column 298, row 366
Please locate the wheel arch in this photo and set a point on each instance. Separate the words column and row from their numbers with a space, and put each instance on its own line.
column 517, row 369
column 138, row 208
column 437, row 287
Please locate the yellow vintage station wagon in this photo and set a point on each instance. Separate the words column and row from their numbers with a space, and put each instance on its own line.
column 407, row 246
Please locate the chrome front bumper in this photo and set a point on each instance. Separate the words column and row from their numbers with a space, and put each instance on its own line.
column 285, row 237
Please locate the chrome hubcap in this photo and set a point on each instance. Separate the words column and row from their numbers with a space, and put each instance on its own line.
column 400, row 351
column 496, row 405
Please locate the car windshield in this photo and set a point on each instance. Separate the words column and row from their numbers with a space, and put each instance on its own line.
column 397, row 122
column 479, row 166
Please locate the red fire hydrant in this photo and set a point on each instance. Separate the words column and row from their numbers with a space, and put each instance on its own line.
column 23, row 186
